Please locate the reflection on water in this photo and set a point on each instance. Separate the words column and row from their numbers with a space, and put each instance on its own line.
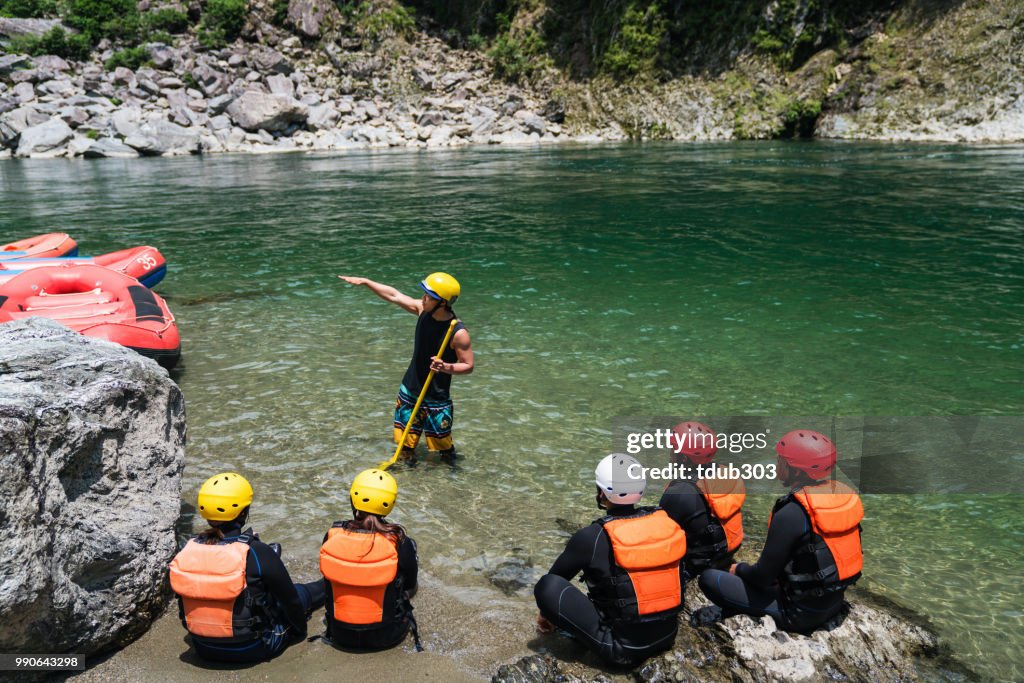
column 746, row 279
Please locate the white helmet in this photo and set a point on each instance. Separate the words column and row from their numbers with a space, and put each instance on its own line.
column 621, row 483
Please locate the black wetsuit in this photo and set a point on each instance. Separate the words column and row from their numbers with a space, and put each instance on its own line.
column 755, row 589
column 590, row 551
column 688, row 508
column 397, row 608
column 429, row 335
column 284, row 605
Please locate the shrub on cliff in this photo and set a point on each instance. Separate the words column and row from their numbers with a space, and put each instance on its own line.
column 132, row 58
column 97, row 19
column 28, row 9
column 56, row 41
column 636, row 45
column 222, row 22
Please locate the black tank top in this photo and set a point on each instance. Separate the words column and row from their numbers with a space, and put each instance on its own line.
column 429, row 334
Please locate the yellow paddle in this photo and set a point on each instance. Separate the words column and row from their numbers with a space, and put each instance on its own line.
column 419, row 401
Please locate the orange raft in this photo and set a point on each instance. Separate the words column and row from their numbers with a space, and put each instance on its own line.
column 145, row 264
column 50, row 245
column 97, row 302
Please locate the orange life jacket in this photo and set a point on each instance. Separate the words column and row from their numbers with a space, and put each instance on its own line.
column 647, row 549
column 725, row 501
column 834, row 559
column 359, row 566
column 209, row 579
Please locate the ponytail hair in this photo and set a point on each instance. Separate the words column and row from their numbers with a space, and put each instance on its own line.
column 370, row 522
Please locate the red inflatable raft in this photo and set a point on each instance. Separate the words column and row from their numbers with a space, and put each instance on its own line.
column 50, row 245
column 145, row 264
column 98, row 302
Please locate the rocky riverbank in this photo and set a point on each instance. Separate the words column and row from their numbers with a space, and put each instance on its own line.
column 257, row 98
column 945, row 74
column 93, row 450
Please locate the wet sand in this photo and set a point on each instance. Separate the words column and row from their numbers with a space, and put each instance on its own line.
column 467, row 634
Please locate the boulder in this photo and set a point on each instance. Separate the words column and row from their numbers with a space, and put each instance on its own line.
column 45, row 137
column 310, row 16
column 255, row 111
column 279, row 84
column 50, row 63
column 15, row 28
column 92, row 453
column 322, row 116
column 267, row 59
column 25, row 92
column 9, row 63
column 163, row 137
column 871, row 640
column 162, row 56
column 109, row 147
column 211, row 81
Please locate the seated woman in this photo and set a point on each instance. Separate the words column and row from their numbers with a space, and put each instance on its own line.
column 369, row 567
column 235, row 596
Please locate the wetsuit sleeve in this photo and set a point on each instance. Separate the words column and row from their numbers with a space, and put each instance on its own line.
column 278, row 583
column 577, row 554
column 684, row 505
column 408, row 563
column 788, row 528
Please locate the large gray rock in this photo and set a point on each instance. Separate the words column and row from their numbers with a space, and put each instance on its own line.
column 265, row 59
column 13, row 28
column 212, row 82
column 109, row 147
column 255, row 111
column 44, row 138
column 309, row 17
column 872, row 641
column 91, row 450
column 163, row 138
column 9, row 63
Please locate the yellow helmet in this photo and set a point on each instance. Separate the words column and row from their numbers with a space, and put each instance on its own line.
column 441, row 286
column 374, row 491
column 224, row 496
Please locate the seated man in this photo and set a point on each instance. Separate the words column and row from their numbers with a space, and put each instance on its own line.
column 631, row 560
column 812, row 552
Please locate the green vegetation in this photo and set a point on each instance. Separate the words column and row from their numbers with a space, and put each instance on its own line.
column 222, row 22
column 97, row 19
column 28, row 9
column 56, row 41
column 279, row 9
column 167, row 19
column 635, row 48
column 518, row 56
column 131, row 57
column 379, row 19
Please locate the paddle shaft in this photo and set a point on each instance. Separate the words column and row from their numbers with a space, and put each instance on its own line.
column 419, row 401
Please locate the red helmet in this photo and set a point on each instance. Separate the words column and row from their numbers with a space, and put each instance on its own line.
column 810, row 452
column 696, row 441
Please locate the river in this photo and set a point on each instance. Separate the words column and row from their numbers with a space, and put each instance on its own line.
column 739, row 279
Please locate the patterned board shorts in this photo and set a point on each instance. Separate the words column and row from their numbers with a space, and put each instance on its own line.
column 434, row 419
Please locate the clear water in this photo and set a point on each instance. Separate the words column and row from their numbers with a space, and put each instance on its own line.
column 730, row 279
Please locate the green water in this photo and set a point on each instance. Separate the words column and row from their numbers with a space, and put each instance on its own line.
column 731, row 279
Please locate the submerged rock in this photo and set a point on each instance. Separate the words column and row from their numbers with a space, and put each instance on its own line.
column 91, row 450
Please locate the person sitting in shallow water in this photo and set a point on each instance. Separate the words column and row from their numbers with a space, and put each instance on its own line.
column 631, row 560
column 235, row 596
column 370, row 569
column 812, row 552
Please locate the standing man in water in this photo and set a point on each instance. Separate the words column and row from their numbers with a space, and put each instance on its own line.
column 434, row 311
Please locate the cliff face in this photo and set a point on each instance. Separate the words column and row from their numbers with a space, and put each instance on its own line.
column 278, row 75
